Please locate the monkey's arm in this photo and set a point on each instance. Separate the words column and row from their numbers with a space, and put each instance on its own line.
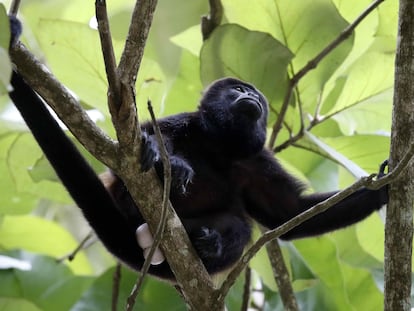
column 273, row 197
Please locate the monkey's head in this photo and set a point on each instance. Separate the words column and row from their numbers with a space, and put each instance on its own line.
column 235, row 112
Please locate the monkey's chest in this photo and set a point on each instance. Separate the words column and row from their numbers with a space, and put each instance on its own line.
column 210, row 191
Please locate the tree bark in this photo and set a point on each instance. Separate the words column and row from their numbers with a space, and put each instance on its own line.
column 399, row 221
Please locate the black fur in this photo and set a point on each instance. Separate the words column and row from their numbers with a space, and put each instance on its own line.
column 222, row 177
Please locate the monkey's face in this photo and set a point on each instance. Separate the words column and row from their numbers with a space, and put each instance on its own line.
column 228, row 100
column 235, row 111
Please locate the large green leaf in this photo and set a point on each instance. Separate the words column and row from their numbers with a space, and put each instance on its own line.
column 17, row 304
column 369, row 76
column 154, row 295
column 11, row 201
column 21, row 153
column 184, row 93
column 49, row 285
column 305, row 27
column 41, row 236
column 321, row 257
column 74, row 54
column 249, row 55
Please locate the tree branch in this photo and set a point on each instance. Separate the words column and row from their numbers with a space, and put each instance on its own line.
column 116, row 283
column 399, row 217
column 165, row 200
column 14, row 7
column 281, row 276
column 108, row 51
column 145, row 190
column 213, row 20
column 366, row 181
column 246, row 289
column 135, row 42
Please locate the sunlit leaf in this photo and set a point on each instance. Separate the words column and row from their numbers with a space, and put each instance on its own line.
column 154, row 295
column 249, row 55
column 49, row 285
column 41, row 236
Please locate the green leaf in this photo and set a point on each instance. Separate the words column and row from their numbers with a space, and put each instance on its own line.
column 5, row 27
column 184, row 93
column 21, row 155
column 359, row 284
column 73, row 52
column 41, row 236
column 320, row 256
column 252, row 56
column 306, row 28
column 17, row 304
column 359, row 154
column 5, row 65
column 190, row 39
column 365, row 80
column 370, row 235
column 11, row 200
column 154, row 295
column 48, row 284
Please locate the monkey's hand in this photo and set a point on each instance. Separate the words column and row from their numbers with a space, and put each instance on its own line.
column 381, row 171
column 384, row 190
column 145, row 241
column 149, row 152
column 181, row 173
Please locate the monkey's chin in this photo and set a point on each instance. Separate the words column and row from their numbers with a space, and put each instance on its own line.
column 248, row 107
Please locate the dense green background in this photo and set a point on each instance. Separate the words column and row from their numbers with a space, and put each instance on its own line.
column 261, row 41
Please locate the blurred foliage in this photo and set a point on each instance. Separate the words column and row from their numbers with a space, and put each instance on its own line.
column 262, row 41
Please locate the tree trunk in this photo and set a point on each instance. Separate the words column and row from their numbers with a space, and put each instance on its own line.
column 399, row 223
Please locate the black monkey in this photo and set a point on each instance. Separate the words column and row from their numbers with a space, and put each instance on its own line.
column 222, row 177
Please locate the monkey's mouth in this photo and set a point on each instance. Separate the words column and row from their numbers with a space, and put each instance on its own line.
column 247, row 106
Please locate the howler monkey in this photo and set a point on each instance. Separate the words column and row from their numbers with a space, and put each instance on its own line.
column 222, row 177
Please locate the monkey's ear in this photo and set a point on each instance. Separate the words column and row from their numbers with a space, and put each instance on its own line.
column 15, row 29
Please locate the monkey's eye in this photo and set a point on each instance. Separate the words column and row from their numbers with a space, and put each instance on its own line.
column 238, row 88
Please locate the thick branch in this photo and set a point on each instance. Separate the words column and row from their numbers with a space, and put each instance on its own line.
column 135, row 42
column 165, row 201
column 65, row 105
column 399, row 218
column 146, row 191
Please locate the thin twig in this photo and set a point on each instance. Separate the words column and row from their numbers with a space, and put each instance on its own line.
column 246, row 289
column 165, row 201
column 213, row 19
column 81, row 246
column 116, row 283
column 108, row 50
column 282, row 277
column 313, row 63
column 287, row 226
column 14, row 7
column 366, row 181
